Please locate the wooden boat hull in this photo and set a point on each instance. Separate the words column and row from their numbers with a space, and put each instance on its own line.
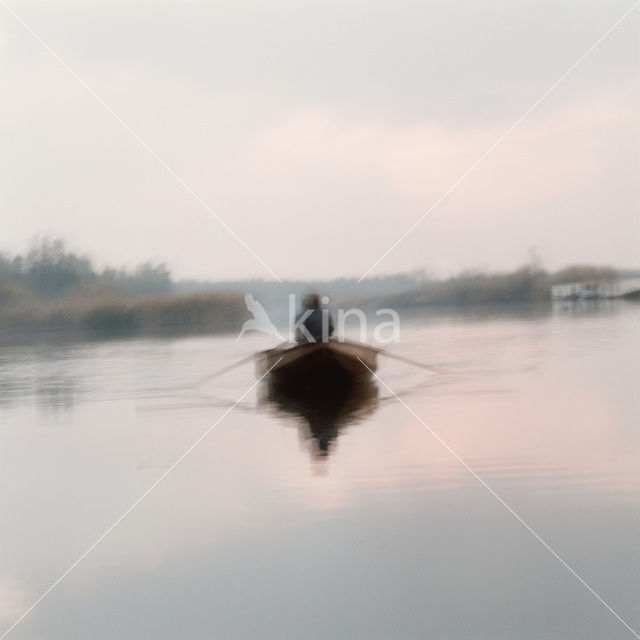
column 332, row 360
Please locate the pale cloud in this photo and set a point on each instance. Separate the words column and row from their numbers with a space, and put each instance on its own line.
column 13, row 600
column 557, row 154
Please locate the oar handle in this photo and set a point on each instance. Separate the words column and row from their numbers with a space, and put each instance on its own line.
column 253, row 356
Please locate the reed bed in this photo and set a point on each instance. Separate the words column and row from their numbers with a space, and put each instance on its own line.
column 208, row 312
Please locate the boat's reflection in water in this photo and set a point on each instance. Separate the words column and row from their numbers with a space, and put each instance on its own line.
column 322, row 406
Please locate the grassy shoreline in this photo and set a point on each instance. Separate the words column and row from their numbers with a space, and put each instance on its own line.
column 213, row 312
column 526, row 286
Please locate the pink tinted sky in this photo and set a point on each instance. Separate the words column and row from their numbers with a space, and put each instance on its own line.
column 321, row 133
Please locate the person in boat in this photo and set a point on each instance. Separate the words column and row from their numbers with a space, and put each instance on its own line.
column 313, row 323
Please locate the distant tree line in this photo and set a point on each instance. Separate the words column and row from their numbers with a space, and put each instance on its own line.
column 49, row 271
column 50, row 288
column 527, row 284
column 530, row 283
column 584, row 273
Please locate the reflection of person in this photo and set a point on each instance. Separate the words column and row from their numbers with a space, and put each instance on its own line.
column 314, row 323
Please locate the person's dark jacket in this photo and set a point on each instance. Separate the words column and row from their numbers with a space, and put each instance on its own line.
column 313, row 324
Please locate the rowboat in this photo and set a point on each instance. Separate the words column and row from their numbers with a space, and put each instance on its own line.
column 327, row 384
column 332, row 361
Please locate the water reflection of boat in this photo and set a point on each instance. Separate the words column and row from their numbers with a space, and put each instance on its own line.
column 333, row 362
column 326, row 384
column 324, row 405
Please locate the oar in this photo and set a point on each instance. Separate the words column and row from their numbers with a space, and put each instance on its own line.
column 384, row 352
column 415, row 363
column 215, row 374
column 239, row 363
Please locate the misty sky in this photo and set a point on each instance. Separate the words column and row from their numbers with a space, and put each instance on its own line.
column 320, row 131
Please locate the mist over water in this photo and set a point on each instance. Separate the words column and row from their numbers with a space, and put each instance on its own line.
column 359, row 523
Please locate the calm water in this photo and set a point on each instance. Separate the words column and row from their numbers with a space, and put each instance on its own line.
column 370, row 529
